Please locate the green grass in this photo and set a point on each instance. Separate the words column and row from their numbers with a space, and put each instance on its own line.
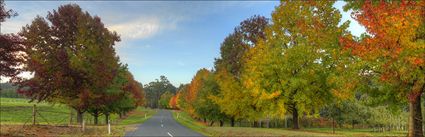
column 137, row 116
column 358, row 132
column 19, row 111
column 186, row 120
column 15, row 112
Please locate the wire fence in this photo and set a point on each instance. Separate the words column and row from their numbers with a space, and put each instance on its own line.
column 52, row 115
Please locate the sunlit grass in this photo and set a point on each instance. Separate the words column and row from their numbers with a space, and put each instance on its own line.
column 189, row 122
column 15, row 112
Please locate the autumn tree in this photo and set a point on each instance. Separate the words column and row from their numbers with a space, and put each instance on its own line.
column 289, row 70
column 72, row 58
column 182, row 92
column 193, row 89
column 229, row 67
column 123, row 95
column 393, row 52
column 205, row 107
column 173, row 101
column 11, row 47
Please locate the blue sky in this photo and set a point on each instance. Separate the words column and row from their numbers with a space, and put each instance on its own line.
column 168, row 38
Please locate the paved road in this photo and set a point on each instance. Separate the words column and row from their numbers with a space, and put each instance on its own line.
column 162, row 124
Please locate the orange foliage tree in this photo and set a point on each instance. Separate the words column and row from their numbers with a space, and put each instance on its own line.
column 193, row 89
column 393, row 51
column 173, row 101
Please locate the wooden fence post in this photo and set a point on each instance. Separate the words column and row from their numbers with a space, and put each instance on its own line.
column 82, row 127
column 33, row 115
column 109, row 127
column 70, row 117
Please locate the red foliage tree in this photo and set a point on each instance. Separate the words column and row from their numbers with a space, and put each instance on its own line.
column 394, row 51
column 11, row 57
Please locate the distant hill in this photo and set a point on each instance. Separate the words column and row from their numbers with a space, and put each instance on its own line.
column 9, row 91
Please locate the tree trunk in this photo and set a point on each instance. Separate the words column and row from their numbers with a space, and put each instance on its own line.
column 415, row 117
column 286, row 122
column 232, row 122
column 268, row 123
column 295, row 118
column 80, row 116
column 260, row 122
column 70, row 117
column 95, row 116
column 212, row 123
column 333, row 125
column 205, row 120
column 221, row 123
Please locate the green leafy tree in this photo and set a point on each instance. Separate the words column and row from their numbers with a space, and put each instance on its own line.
column 292, row 68
column 155, row 89
column 165, row 99
column 205, row 106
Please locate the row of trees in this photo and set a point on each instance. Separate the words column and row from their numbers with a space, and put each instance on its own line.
column 305, row 62
column 73, row 61
column 159, row 92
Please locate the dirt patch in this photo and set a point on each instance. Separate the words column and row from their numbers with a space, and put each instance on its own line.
column 46, row 130
column 38, row 130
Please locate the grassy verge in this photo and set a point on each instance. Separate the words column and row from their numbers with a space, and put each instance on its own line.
column 184, row 119
column 358, row 132
column 53, row 120
column 134, row 118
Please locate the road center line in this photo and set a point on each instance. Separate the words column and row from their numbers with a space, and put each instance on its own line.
column 170, row 134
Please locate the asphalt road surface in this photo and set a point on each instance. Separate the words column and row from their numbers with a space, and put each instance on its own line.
column 162, row 124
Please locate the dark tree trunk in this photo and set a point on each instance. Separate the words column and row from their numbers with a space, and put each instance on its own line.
column 221, row 123
column 333, row 125
column 80, row 116
column 95, row 116
column 95, row 119
column 70, row 117
column 212, row 123
column 120, row 115
column 295, row 117
column 415, row 117
column 205, row 120
column 232, row 122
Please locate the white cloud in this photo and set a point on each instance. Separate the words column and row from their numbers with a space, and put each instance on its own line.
column 12, row 26
column 144, row 27
column 25, row 74
column 137, row 29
